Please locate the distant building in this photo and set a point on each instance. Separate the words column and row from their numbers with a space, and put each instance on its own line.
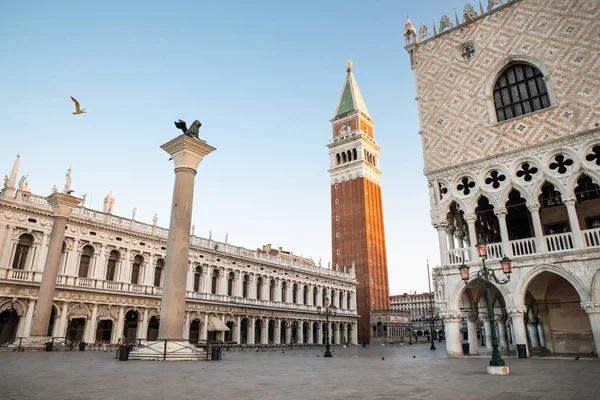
column 418, row 308
column 286, row 255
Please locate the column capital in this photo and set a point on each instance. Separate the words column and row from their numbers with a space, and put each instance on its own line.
column 500, row 212
column 567, row 201
column 516, row 311
column 591, row 307
column 187, row 152
column 534, row 207
column 63, row 204
column 440, row 224
column 470, row 218
column 452, row 316
column 470, row 316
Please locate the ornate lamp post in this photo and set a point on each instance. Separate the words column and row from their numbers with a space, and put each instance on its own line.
column 497, row 365
column 327, row 311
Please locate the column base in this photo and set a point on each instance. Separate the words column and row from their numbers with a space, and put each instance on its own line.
column 175, row 350
column 498, row 370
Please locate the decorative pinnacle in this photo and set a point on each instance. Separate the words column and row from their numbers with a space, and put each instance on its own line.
column 349, row 66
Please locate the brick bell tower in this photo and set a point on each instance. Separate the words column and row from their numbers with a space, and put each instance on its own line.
column 357, row 232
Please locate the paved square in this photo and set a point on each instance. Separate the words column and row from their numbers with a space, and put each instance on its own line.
column 352, row 373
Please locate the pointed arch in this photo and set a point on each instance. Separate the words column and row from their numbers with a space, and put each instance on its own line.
column 523, row 283
column 460, row 287
column 571, row 183
column 503, row 196
column 536, row 189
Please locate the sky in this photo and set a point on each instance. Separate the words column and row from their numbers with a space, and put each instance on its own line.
column 263, row 77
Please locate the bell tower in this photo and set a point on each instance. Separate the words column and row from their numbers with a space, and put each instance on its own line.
column 357, row 231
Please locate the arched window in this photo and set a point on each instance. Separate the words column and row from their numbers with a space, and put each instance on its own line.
column 343, row 157
column 197, row 274
column 354, row 154
column 135, row 269
column 25, row 242
column 272, row 290
column 84, row 261
column 324, row 296
column 158, row 270
column 111, row 265
column 305, row 295
column 341, row 303
column 349, row 155
column 284, row 292
column 520, row 90
column 259, row 285
column 215, row 280
column 230, row 279
column 337, row 159
column 348, row 301
column 295, row 294
column 315, row 296
column 245, row 286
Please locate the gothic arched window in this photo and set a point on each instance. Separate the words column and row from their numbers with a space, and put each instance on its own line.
column 111, row 265
column 520, row 90
column 197, row 274
column 215, row 279
column 160, row 264
column 25, row 242
column 245, row 286
column 230, row 279
column 135, row 269
column 84, row 261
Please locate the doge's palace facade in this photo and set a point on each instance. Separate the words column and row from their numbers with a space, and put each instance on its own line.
column 510, row 126
column 110, row 281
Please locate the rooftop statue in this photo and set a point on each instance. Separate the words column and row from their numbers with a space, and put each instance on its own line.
column 192, row 131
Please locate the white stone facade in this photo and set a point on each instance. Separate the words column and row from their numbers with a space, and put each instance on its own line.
column 524, row 181
column 110, row 278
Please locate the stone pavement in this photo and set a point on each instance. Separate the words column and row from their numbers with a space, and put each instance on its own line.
column 352, row 373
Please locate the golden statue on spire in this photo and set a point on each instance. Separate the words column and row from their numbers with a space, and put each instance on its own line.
column 349, row 65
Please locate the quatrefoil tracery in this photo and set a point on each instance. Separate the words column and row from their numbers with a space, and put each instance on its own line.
column 495, row 179
column 465, row 185
column 561, row 164
column 527, row 171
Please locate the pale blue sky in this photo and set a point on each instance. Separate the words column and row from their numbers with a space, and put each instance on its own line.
column 263, row 77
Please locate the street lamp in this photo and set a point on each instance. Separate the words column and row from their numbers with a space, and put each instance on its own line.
column 486, row 275
column 327, row 311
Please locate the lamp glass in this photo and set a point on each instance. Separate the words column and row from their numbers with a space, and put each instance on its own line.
column 481, row 248
column 464, row 272
column 506, row 265
column 319, row 309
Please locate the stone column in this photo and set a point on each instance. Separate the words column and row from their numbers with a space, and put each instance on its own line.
column 264, row 332
column 277, row 332
column 471, row 220
column 92, row 325
column 574, row 222
column 237, row 330
column 501, row 321
column 28, row 318
column 453, row 341
column 516, row 314
column 205, row 328
column 533, row 334
column 7, row 248
column 62, row 322
column 540, row 329
column 62, row 206
column 540, row 242
column 488, row 332
column 251, row 323
column 472, row 333
column 186, row 327
column 186, row 152
column 442, row 241
column 501, row 215
column 42, row 254
column 288, row 334
column 593, row 311
column 145, row 322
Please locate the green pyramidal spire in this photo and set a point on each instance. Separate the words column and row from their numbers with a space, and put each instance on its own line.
column 351, row 99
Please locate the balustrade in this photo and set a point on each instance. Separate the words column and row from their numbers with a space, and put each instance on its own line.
column 20, row 274
column 591, row 237
column 459, row 256
column 494, row 251
column 559, row 242
column 523, row 247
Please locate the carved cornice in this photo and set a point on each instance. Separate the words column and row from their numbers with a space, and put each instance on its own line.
column 591, row 307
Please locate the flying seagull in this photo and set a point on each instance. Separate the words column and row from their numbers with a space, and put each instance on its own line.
column 77, row 109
